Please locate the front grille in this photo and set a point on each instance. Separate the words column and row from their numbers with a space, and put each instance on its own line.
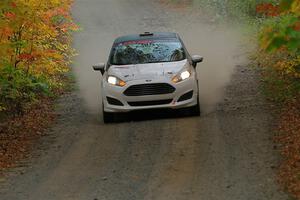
column 150, row 103
column 113, row 101
column 149, row 89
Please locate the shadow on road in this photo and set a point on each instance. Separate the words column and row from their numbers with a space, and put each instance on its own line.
column 155, row 114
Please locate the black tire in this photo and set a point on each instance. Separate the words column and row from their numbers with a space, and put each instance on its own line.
column 108, row 117
column 195, row 110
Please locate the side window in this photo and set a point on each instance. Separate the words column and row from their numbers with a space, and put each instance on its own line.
column 188, row 56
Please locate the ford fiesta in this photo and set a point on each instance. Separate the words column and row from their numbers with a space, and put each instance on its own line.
column 149, row 71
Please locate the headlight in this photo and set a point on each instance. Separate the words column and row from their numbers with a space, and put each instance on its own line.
column 115, row 81
column 181, row 76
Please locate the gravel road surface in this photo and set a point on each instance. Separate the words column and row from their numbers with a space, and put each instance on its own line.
column 226, row 154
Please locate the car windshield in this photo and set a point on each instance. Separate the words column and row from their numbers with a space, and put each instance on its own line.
column 146, row 51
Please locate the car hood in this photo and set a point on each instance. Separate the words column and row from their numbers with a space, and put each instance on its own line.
column 147, row 71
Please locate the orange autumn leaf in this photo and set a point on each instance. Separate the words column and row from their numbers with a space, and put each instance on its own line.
column 267, row 9
column 10, row 15
column 7, row 31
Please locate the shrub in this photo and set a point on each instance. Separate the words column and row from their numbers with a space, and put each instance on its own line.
column 18, row 89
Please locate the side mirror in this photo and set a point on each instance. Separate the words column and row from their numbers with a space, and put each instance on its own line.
column 99, row 67
column 196, row 59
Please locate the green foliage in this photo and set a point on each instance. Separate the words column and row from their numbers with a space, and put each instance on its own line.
column 18, row 89
column 286, row 4
column 280, row 41
column 280, row 32
column 283, row 30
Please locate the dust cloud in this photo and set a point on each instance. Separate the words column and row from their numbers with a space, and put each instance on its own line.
column 219, row 47
column 222, row 52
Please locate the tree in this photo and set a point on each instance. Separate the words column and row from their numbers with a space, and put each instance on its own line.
column 283, row 29
column 35, row 48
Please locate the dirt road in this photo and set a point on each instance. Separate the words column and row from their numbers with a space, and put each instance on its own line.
column 226, row 154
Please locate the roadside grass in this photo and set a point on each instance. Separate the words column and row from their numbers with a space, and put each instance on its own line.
column 280, row 75
column 284, row 93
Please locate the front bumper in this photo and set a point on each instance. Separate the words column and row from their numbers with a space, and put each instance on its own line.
column 115, row 92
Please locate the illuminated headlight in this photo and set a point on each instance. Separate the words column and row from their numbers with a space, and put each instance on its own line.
column 181, row 76
column 184, row 75
column 115, row 81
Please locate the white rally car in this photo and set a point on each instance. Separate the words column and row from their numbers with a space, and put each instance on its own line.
column 149, row 71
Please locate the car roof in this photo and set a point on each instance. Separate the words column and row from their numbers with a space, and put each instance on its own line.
column 147, row 35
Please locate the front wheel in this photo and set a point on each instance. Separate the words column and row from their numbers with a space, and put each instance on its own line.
column 195, row 110
column 107, row 116
column 191, row 111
